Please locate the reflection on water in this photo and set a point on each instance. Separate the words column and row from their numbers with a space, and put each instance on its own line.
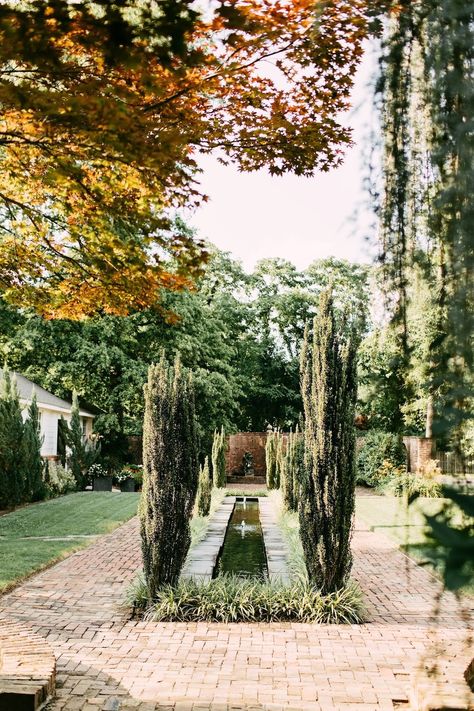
column 243, row 552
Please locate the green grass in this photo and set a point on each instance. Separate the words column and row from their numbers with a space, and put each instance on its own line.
column 37, row 535
column 404, row 524
column 235, row 491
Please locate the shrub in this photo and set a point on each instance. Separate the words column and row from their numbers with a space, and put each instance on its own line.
column 170, row 473
column 58, row 480
column 407, row 484
column 229, row 598
column 204, row 490
column 219, row 475
column 327, row 487
column 35, row 489
column 12, row 465
column 377, row 448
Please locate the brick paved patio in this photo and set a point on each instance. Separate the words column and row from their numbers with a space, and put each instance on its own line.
column 107, row 663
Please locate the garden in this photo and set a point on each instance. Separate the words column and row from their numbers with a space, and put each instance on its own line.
column 282, row 447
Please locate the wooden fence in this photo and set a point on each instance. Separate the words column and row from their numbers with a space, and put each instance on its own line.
column 451, row 463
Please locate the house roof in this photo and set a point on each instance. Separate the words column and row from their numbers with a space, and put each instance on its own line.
column 44, row 398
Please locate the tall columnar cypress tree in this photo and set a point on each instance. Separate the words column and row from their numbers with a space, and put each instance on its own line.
column 219, row 475
column 326, row 506
column 12, row 465
column 34, row 464
column 204, row 489
column 76, row 444
column 170, row 473
column 271, row 460
column 289, row 472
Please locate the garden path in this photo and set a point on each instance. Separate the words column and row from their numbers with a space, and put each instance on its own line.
column 109, row 663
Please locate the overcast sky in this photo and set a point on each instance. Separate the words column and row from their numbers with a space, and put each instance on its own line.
column 255, row 215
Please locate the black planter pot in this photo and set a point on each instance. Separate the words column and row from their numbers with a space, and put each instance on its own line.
column 102, row 483
column 128, row 485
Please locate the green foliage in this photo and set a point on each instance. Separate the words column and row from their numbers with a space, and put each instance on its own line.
column 170, row 473
column 219, row 475
column 233, row 599
column 33, row 462
column 204, row 489
column 427, row 216
column 239, row 334
column 409, row 485
column 378, row 447
column 327, row 487
column 58, row 480
column 12, row 465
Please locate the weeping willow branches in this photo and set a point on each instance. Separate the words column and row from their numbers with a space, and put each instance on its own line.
column 427, row 211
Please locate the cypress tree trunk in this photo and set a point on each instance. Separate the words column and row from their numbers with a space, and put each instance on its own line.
column 204, row 490
column 218, row 460
column 326, row 506
column 170, row 473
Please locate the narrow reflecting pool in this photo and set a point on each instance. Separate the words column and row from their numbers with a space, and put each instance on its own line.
column 243, row 550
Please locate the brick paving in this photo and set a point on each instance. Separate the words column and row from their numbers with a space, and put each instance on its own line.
column 106, row 662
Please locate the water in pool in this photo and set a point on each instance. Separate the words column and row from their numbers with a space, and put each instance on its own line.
column 243, row 551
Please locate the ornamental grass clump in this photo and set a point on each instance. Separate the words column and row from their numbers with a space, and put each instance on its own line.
column 229, row 598
column 170, row 474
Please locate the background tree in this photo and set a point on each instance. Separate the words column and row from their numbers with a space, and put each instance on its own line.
column 235, row 332
column 170, row 473
column 327, row 490
column 85, row 180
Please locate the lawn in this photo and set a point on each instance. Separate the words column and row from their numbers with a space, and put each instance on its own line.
column 404, row 524
column 37, row 535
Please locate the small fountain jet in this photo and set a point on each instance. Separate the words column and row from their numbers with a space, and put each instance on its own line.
column 242, row 528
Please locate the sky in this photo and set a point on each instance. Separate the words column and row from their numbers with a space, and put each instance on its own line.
column 256, row 215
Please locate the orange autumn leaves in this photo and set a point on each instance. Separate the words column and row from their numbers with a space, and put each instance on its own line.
column 102, row 121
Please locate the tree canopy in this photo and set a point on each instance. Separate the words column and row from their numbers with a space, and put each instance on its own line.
column 235, row 332
column 105, row 107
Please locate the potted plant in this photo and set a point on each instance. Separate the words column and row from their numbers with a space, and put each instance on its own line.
column 101, row 480
column 137, row 473
column 125, row 480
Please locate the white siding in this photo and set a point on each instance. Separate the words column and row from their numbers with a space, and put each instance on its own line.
column 49, row 431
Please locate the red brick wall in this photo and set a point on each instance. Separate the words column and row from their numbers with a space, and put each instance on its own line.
column 419, row 451
column 238, row 444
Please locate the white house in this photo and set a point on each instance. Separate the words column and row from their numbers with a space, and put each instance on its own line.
column 51, row 408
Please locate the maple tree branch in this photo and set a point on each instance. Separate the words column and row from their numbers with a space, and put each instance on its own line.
column 215, row 75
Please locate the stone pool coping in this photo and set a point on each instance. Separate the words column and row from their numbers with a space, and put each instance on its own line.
column 202, row 558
